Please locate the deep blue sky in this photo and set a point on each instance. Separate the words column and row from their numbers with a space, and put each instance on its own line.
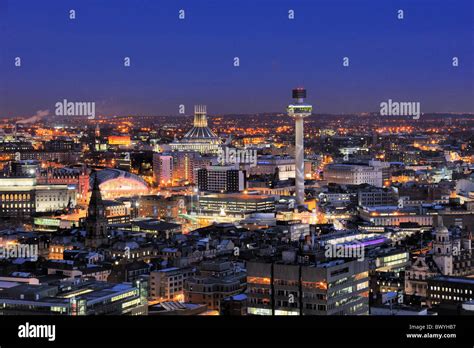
column 191, row 61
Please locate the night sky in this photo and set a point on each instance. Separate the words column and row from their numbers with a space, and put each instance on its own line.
column 190, row 61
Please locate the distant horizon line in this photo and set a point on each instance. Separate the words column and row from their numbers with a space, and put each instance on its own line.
column 277, row 113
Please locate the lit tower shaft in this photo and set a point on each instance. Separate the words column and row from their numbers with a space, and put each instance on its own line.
column 200, row 118
column 299, row 110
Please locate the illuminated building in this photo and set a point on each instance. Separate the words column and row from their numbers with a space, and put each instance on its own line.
column 56, row 250
column 84, row 298
column 99, row 144
column 279, row 190
column 215, row 281
column 293, row 228
column 356, row 173
column 376, row 196
column 299, row 111
column 449, row 290
column 387, row 270
column 269, row 165
column 168, row 284
column 403, row 176
column 25, row 168
column 451, row 256
column 185, row 166
column 61, row 144
column 124, row 162
column 253, row 140
column 50, row 198
column 66, row 176
column 153, row 226
column 336, row 196
column 161, row 207
column 235, row 204
column 69, row 269
column 391, row 261
column 115, row 183
column 163, row 168
column 393, row 216
column 120, row 140
column 22, row 197
column 338, row 287
column 200, row 138
column 177, row 168
column 52, row 224
column 224, row 179
column 71, row 157
column 117, row 212
column 417, row 275
column 17, row 146
column 129, row 251
column 416, row 194
column 411, row 157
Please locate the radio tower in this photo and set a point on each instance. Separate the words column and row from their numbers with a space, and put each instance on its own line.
column 299, row 110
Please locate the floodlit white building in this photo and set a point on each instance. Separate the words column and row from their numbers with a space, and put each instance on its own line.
column 355, row 173
column 24, row 197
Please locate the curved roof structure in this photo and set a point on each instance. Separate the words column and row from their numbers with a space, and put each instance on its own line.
column 112, row 173
column 200, row 133
column 116, row 183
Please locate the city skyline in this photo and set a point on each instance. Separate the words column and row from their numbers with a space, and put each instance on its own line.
column 188, row 61
column 290, row 162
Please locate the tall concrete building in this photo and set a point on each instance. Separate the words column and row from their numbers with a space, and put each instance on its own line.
column 337, row 287
column 299, row 111
column 163, row 168
column 178, row 167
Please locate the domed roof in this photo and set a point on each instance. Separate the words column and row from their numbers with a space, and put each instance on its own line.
column 112, row 173
column 440, row 229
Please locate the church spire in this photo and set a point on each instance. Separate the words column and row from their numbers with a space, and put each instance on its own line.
column 96, row 220
column 96, row 204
